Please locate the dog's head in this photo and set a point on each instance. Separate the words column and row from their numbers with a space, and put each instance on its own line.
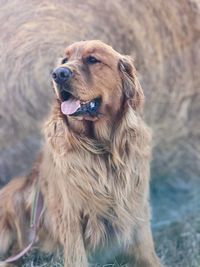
column 94, row 82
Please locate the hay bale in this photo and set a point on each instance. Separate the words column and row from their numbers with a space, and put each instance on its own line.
column 164, row 38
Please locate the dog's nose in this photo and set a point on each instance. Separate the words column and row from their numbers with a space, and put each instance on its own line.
column 61, row 75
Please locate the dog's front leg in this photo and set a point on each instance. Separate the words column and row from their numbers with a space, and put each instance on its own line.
column 142, row 250
column 74, row 250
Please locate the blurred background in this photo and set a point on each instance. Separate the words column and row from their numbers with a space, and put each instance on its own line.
column 164, row 38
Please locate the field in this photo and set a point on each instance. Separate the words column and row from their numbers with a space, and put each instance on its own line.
column 176, row 227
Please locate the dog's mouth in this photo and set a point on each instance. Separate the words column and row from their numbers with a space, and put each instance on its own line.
column 73, row 106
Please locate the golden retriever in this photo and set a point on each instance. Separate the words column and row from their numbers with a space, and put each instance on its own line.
column 93, row 174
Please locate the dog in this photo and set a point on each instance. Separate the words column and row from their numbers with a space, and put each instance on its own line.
column 93, row 172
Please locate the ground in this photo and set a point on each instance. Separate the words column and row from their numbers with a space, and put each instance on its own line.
column 176, row 228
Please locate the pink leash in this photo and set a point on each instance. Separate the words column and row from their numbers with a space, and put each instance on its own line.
column 37, row 211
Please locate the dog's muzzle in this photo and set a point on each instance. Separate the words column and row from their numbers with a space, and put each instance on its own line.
column 71, row 105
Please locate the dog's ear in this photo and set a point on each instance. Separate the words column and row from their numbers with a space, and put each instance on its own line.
column 132, row 89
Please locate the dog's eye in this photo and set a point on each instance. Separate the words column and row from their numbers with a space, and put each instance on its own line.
column 64, row 60
column 92, row 60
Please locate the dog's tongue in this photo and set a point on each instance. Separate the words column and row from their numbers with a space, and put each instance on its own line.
column 70, row 106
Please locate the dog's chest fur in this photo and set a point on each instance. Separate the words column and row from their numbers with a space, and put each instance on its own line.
column 102, row 192
column 96, row 194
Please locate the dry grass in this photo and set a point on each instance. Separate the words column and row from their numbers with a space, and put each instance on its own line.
column 178, row 245
column 176, row 228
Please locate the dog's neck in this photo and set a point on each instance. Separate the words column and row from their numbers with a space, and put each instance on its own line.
column 64, row 136
column 65, row 133
column 100, row 129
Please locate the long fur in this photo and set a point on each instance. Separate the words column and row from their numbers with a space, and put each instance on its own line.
column 95, row 189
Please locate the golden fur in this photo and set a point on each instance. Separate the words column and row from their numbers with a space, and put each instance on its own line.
column 93, row 172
